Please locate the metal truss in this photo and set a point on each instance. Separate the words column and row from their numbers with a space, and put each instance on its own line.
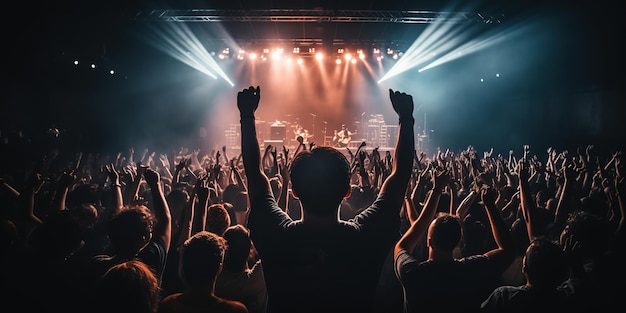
column 311, row 16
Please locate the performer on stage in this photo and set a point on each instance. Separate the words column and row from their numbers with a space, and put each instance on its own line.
column 342, row 137
column 301, row 135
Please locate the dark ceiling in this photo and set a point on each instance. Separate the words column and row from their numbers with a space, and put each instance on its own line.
column 82, row 27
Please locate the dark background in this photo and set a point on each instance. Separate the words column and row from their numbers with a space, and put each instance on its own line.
column 569, row 95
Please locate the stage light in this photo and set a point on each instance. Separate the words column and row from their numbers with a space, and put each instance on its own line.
column 348, row 56
column 353, row 61
column 252, row 56
column 75, row 62
column 319, row 56
column 178, row 41
column 299, row 61
column 311, row 50
column 93, row 66
column 338, row 61
column 296, row 50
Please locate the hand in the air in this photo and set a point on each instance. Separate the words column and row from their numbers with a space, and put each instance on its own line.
column 402, row 103
column 248, row 101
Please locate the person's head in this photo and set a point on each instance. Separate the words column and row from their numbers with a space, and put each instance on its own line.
column 544, row 264
column 238, row 251
column 130, row 230
column 217, row 219
column 130, row 286
column 201, row 258
column 589, row 231
column 320, row 178
column 177, row 199
column 87, row 216
column 444, row 232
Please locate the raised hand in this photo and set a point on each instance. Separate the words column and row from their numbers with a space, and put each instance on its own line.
column 402, row 103
column 164, row 161
column 488, row 195
column 248, row 101
column 523, row 171
column 151, row 176
column 440, row 179
column 66, row 179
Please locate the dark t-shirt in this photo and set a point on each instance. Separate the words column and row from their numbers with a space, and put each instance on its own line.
column 444, row 286
column 335, row 270
column 526, row 299
column 153, row 255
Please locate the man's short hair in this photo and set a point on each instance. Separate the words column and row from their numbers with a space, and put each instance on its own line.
column 320, row 177
column 217, row 219
column 445, row 232
column 201, row 257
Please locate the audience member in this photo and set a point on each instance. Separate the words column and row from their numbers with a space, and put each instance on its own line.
column 316, row 264
column 237, row 280
column 544, row 268
column 201, row 260
column 443, row 282
column 127, row 287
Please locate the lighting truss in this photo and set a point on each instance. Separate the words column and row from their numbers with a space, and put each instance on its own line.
column 311, row 16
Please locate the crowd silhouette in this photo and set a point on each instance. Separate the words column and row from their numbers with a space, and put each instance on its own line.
column 317, row 229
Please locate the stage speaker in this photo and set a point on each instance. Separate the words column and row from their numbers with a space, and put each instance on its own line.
column 278, row 132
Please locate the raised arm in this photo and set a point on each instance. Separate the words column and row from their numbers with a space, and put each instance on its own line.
column 116, row 188
column 63, row 185
column 504, row 254
column 404, row 150
column 526, row 201
column 163, row 225
column 419, row 227
column 283, row 170
column 247, row 103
